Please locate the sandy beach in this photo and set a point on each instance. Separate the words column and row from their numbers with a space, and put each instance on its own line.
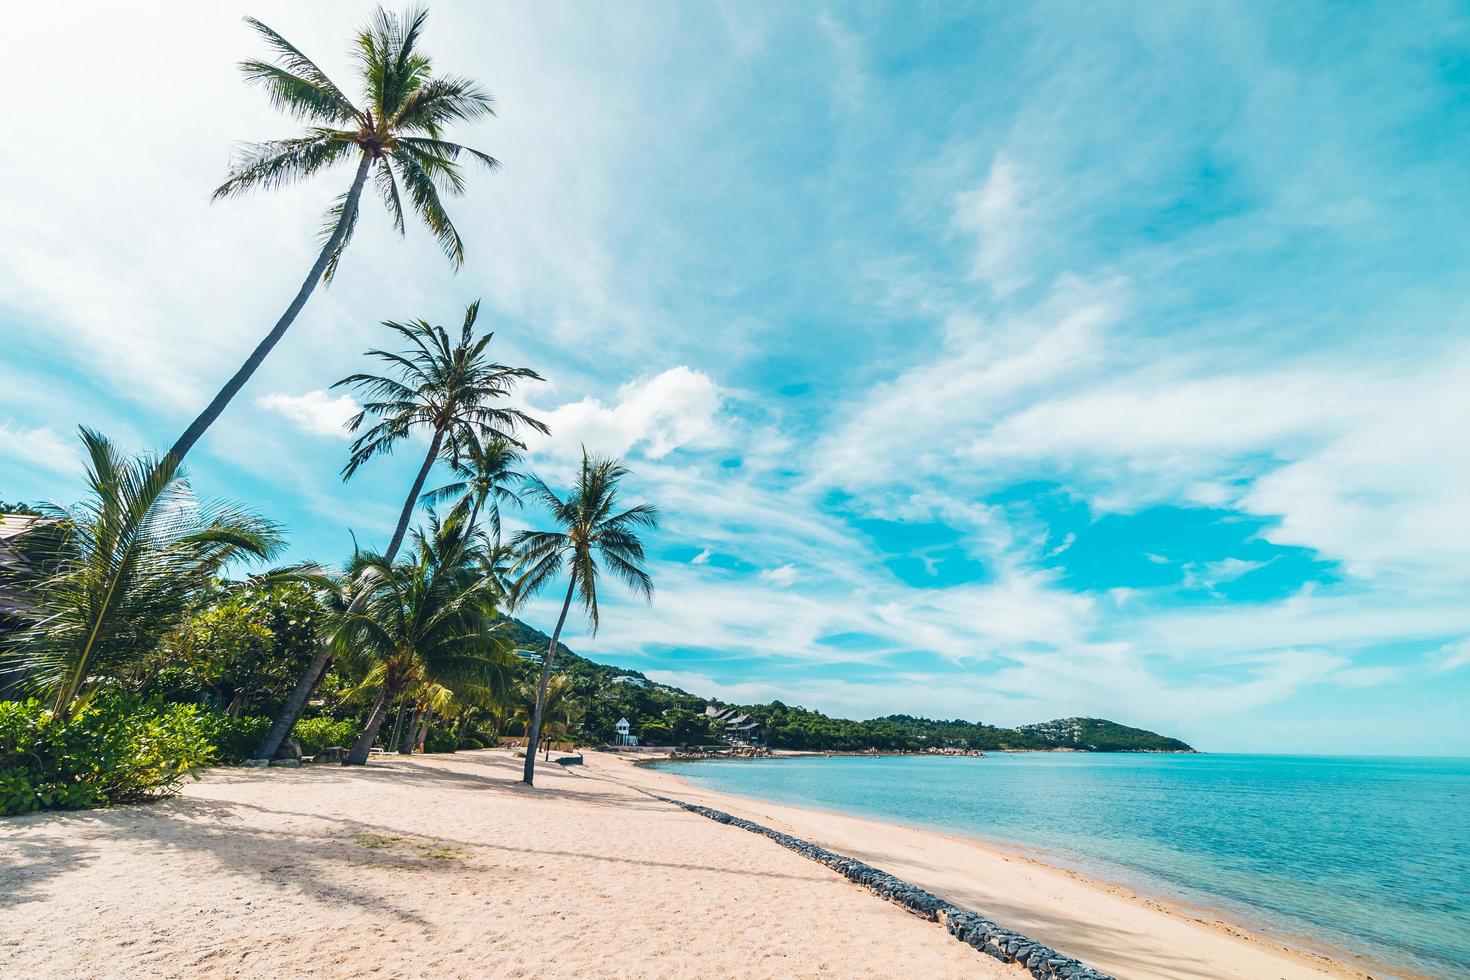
column 446, row 866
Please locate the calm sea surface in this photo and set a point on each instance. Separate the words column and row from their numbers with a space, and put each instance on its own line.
column 1366, row 854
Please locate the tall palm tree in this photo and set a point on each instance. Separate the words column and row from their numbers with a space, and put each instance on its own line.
column 589, row 527
column 485, row 476
column 448, row 389
column 420, row 621
column 112, row 576
column 396, row 134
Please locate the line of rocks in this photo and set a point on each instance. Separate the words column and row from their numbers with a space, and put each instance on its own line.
column 968, row 927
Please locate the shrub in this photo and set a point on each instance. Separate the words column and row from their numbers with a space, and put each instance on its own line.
column 471, row 743
column 115, row 749
column 439, row 740
column 316, row 734
column 234, row 739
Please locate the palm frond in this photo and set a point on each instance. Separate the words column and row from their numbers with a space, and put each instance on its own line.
column 279, row 163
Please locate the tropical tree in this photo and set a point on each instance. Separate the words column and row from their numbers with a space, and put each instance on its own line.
column 431, row 619
column 446, row 389
column 561, row 710
column 589, row 527
column 110, row 577
column 436, row 385
column 395, row 132
column 486, row 474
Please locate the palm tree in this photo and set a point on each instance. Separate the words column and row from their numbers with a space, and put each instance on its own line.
column 561, row 710
column 115, row 574
column 485, row 476
column 397, row 136
column 590, row 527
column 445, row 388
column 415, row 622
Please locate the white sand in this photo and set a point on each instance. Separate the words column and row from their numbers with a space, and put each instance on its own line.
column 440, row 867
column 446, row 866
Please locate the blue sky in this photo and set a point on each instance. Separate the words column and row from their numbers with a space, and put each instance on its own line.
column 992, row 361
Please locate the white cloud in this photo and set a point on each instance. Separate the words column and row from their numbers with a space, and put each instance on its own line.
column 1366, row 676
column 702, row 558
column 782, row 576
column 316, row 412
column 1452, row 656
column 40, row 447
column 671, row 410
column 1001, row 213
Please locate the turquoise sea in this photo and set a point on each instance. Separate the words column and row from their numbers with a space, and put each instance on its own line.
column 1370, row 855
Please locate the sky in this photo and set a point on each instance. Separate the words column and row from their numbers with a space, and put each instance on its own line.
column 995, row 361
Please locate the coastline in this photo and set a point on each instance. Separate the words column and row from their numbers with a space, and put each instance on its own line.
column 1043, row 895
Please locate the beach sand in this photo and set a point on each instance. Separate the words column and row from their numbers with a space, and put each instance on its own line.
column 446, row 866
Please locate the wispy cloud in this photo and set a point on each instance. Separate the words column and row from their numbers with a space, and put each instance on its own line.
column 316, row 412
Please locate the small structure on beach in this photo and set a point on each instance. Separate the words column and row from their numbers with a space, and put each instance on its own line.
column 624, row 734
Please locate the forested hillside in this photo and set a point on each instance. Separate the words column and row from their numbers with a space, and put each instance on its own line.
column 664, row 715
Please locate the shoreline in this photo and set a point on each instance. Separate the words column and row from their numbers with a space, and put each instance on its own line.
column 1319, row 958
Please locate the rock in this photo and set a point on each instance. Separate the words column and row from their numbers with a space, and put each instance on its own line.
column 256, row 763
column 290, row 749
column 286, row 763
column 333, row 755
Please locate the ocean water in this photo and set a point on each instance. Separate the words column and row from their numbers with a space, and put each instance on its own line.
column 1370, row 855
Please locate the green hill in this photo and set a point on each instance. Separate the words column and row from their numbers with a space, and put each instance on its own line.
column 665, row 715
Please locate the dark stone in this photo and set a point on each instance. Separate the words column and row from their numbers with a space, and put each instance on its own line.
column 290, row 749
column 333, row 755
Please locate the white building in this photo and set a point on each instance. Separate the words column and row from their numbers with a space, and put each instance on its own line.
column 623, row 737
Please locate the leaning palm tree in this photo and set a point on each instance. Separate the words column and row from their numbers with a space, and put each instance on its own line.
column 395, row 132
column 589, row 527
column 112, row 576
column 426, row 620
column 486, row 476
column 447, row 389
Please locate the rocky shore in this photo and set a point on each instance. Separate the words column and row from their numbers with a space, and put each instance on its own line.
column 965, row 925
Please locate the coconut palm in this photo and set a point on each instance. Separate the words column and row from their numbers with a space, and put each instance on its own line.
column 446, row 389
column 590, row 527
column 486, row 475
column 418, row 622
column 395, row 132
column 562, row 709
column 112, row 576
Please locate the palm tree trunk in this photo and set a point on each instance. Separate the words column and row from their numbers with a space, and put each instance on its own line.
column 413, row 495
column 533, row 736
column 397, row 725
column 359, row 754
column 421, row 743
column 295, row 705
column 405, row 747
column 232, row 387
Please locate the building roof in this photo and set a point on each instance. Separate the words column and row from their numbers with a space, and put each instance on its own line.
column 11, row 525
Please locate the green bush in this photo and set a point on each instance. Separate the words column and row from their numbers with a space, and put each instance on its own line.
column 116, row 749
column 471, row 743
column 439, row 740
column 316, row 734
column 234, row 739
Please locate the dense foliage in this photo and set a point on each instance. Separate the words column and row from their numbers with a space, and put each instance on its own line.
column 242, row 652
column 116, row 748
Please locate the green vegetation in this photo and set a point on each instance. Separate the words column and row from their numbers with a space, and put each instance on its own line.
column 113, row 576
column 116, row 748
